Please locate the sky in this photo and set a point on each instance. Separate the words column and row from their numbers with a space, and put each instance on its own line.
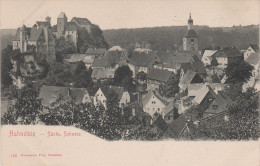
column 115, row 14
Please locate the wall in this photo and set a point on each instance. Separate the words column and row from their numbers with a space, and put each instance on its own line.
column 151, row 107
column 100, row 98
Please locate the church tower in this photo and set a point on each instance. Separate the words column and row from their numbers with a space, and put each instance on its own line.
column 61, row 22
column 190, row 39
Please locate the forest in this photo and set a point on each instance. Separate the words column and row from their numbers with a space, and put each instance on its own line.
column 170, row 37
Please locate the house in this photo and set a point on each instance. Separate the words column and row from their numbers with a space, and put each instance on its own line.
column 142, row 62
column 158, row 78
column 153, row 103
column 102, row 74
column 170, row 112
column 219, row 104
column 111, row 59
column 101, row 96
column 253, row 59
column 176, row 127
column 190, row 77
column 227, row 55
column 209, row 102
column 253, row 48
column 207, row 57
column 140, row 50
column 196, row 67
column 195, row 89
column 74, row 58
column 38, row 39
column 49, row 94
column 96, row 52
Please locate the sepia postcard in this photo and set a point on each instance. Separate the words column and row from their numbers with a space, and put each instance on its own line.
column 116, row 82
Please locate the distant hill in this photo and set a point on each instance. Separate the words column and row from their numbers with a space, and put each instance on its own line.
column 170, row 37
column 6, row 37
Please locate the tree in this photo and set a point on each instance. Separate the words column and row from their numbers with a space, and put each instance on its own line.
column 26, row 109
column 239, row 72
column 85, row 40
column 6, row 66
column 124, row 77
column 64, row 46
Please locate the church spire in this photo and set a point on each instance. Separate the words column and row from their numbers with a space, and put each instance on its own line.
column 190, row 23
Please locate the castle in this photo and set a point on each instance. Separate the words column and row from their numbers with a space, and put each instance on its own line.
column 41, row 37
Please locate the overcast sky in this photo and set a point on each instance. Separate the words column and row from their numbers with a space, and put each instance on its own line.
column 109, row 14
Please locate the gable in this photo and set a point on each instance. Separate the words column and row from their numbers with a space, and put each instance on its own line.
column 154, row 101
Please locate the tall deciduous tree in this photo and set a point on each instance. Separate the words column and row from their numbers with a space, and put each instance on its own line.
column 239, row 72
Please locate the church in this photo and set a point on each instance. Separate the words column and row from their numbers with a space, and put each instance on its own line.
column 190, row 39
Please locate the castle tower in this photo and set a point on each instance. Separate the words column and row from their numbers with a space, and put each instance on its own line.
column 190, row 39
column 48, row 20
column 22, row 37
column 61, row 22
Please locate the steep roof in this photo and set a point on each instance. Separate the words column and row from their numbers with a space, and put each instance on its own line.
column 82, row 21
column 50, row 94
column 209, row 53
column 194, row 89
column 142, row 59
column 191, row 34
column 176, row 127
column 35, row 34
column 253, row 58
column 78, row 57
column 17, row 34
column 100, row 73
column 62, row 15
column 254, row 47
column 160, row 123
column 108, row 60
column 43, row 23
column 228, row 52
column 98, row 51
column 118, row 90
column 149, row 95
column 159, row 75
column 170, row 107
column 201, row 95
column 186, row 80
column 117, row 48
column 175, row 57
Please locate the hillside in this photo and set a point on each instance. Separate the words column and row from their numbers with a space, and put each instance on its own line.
column 170, row 38
column 6, row 37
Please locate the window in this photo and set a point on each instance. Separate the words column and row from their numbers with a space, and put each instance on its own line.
column 16, row 44
column 153, row 102
column 192, row 40
column 158, row 109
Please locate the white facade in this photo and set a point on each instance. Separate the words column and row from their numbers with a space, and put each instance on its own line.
column 207, row 57
column 154, row 105
column 100, row 98
column 222, row 61
column 124, row 99
column 248, row 52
